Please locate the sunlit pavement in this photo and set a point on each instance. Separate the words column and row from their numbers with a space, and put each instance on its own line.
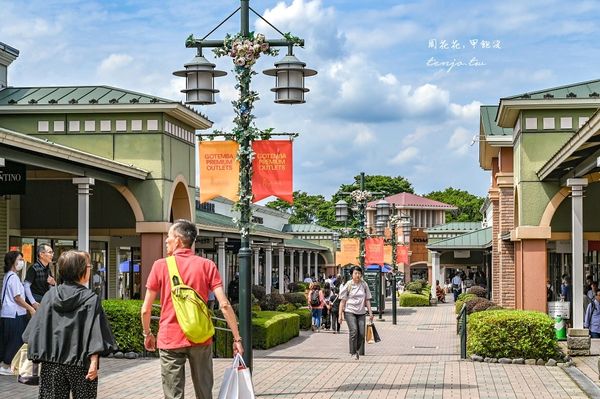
column 417, row 358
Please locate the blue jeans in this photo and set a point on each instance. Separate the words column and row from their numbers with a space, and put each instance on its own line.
column 316, row 317
column 356, row 327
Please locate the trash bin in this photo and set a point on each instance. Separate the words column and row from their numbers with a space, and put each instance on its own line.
column 560, row 328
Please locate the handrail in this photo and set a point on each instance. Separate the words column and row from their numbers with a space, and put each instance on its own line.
column 461, row 328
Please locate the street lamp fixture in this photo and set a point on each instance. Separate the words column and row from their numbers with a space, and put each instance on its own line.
column 341, row 211
column 244, row 48
column 200, row 80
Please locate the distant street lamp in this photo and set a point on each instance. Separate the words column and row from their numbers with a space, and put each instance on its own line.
column 245, row 48
column 383, row 217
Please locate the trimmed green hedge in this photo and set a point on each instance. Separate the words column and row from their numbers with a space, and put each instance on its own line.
column 463, row 298
column 305, row 318
column 125, row 323
column 414, row 287
column 295, row 297
column 409, row 299
column 511, row 334
column 271, row 328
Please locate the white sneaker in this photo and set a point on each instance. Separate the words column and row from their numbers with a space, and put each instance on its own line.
column 5, row 371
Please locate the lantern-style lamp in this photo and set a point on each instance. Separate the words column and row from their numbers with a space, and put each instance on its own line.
column 200, row 80
column 380, row 227
column 290, row 72
column 341, row 211
column 383, row 211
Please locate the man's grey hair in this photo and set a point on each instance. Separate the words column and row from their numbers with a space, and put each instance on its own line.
column 186, row 230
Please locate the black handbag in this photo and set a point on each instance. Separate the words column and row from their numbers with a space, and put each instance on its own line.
column 376, row 336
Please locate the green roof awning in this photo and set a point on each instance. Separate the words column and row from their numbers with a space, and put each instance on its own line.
column 217, row 222
column 454, row 227
column 478, row 239
column 305, row 228
column 298, row 243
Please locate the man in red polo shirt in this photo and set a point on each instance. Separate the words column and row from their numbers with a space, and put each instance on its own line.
column 174, row 348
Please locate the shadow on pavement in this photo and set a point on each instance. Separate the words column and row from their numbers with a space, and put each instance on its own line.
column 367, row 387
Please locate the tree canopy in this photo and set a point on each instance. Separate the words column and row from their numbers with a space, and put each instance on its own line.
column 307, row 209
column 377, row 183
column 468, row 205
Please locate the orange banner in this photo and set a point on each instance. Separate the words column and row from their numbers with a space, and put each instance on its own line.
column 374, row 251
column 348, row 252
column 272, row 171
column 387, row 254
column 219, row 170
column 402, row 254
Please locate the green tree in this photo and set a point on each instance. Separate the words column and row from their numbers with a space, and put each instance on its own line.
column 307, row 209
column 468, row 205
column 377, row 183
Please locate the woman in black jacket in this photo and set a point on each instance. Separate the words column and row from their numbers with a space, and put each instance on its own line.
column 69, row 332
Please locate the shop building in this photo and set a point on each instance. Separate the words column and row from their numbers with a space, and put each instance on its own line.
column 542, row 150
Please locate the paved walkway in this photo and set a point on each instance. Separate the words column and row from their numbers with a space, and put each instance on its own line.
column 417, row 358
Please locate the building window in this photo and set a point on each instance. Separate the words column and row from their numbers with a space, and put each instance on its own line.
column 121, row 125
column 73, row 126
column 136, row 125
column 152, row 124
column 566, row 122
column 531, row 123
column 90, row 126
column 548, row 123
column 43, row 126
column 59, row 126
column 583, row 120
column 105, row 126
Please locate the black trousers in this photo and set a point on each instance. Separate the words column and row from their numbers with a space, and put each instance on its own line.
column 57, row 381
column 356, row 327
column 11, row 330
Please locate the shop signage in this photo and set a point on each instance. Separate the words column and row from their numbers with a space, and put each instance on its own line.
column 13, row 177
column 559, row 308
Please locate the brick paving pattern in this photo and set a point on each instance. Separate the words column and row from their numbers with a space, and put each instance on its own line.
column 418, row 358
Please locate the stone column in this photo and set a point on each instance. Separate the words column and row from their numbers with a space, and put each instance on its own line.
column 268, row 267
column 222, row 260
column 308, row 256
column 280, row 258
column 577, row 187
column 301, row 266
column 316, row 265
column 435, row 273
column 291, row 265
column 256, row 266
column 83, row 211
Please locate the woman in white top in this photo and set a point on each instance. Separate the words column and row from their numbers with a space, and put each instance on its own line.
column 14, row 310
column 355, row 296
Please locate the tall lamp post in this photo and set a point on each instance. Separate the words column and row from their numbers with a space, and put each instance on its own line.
column 383, row 217
column 245, row 47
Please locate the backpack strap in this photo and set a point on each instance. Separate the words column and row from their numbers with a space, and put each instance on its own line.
column 174, row 276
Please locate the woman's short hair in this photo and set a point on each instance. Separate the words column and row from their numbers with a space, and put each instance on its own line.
column 9, row 260
column 356, row 268
column 72, row 265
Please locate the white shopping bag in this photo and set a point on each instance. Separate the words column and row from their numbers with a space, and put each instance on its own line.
column 237, row 382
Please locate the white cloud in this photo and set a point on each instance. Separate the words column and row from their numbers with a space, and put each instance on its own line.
column 363, row 137
column 114, row 63
column 468, row 111
column 404, row 156
column 311, row 164
column 459, row 141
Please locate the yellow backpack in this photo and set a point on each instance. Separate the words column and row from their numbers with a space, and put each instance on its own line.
column 191, row 310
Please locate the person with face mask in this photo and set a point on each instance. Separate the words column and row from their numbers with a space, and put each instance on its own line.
column 13, row 315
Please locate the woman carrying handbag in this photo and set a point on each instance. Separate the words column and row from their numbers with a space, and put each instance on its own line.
column 355, row 296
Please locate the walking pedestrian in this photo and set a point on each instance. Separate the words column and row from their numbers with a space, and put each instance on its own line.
column 355, row 296
column 456, row 286
column 316, row 302
column 334, row 310
column 174, row 348
column 13, row 316
column 38, row 278
column 326, row 307
column 592, row 316
column 68, row 333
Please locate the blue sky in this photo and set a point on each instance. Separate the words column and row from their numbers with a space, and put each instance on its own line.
column 386, row 99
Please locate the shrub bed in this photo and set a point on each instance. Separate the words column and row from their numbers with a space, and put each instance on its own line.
column 409, row 299
column 295, row 297
column 125, row 323
column 479, row 303
column 273, row 328
column 271, row 301
column 477, row 290
column 305, row 318
column 298, row 286
column 414, row 287
column 511, row 334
